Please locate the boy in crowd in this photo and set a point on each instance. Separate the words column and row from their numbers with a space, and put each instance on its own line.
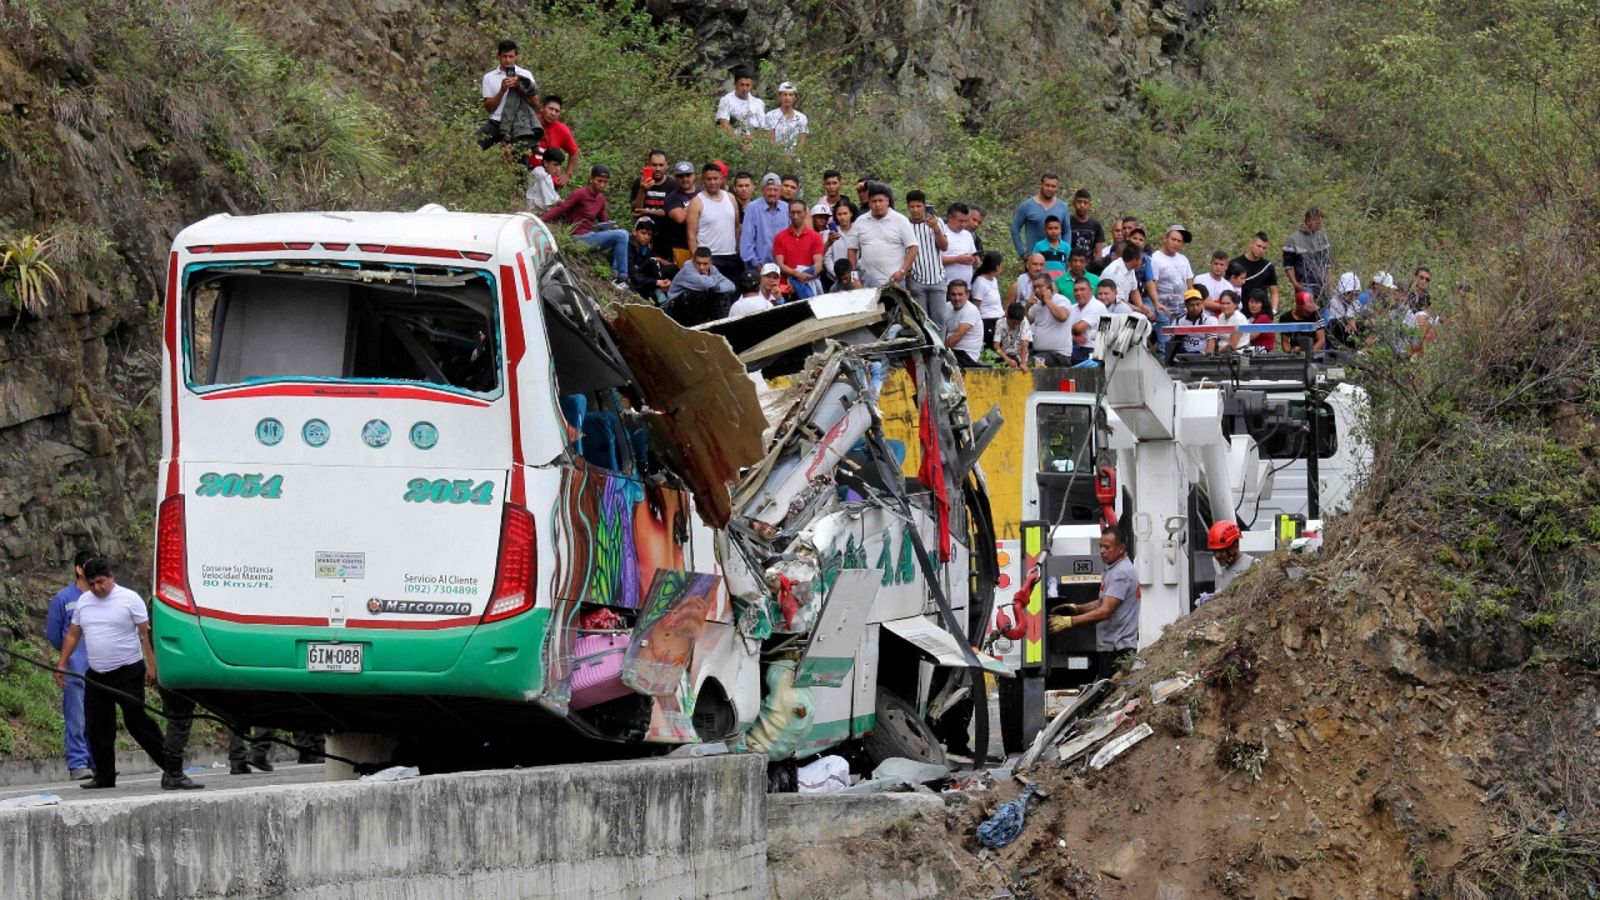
column 1013, row 336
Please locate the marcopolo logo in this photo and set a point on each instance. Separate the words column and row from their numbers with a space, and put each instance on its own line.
column 378, row 606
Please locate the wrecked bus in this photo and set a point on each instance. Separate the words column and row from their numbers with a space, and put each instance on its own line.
column 416, row 484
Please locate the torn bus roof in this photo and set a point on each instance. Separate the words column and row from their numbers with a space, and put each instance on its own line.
column 702, row 399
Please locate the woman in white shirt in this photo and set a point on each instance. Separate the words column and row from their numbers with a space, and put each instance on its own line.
column 1230, row 315
column 986, row 293
column 838, row 247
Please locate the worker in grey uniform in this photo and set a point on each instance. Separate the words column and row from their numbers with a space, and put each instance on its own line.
column 1114, row 614
column 1223, row 541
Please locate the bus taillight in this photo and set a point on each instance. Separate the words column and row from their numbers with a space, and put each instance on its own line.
column 518, row 567
column 172, row 572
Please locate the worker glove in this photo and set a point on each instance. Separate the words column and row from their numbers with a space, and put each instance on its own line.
column 1059, row 624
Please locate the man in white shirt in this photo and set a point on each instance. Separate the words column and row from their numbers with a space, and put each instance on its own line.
column 1022, row 289
column 1050, row 314
column 1215, row 280
column 498, row 83
column 739, row 111
column 963, row 328
column 960, row 250
column 1173, row 273
column 1087, row 309
column 114, row 627
column 1123, row 274
column 751, row 300
column 882, row 245
column 787, row 126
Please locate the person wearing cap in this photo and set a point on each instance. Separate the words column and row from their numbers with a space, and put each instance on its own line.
column 672, row 239
column 585, row 210
column 751, row 300
column 740, row 111
column 1223, row 542
column 1304, row 310
column 764, row 218
column 882, row 245
column 1173, row 276
column 786, row 125
column 648, row 275
column 772, row 284
column 1308, row 256
column 821, row 223
column 797, row 251
column 1347, row 301
column 1194, row 314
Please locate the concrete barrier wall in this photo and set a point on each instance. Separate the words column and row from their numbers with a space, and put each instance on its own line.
column 663, row 828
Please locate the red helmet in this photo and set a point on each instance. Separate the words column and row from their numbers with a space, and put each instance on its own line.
column 1223, row 534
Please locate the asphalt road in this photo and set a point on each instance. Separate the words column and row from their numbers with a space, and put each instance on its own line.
column 214, row 779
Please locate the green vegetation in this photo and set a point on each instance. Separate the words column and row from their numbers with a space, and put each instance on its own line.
column 30, row 714
column 25, row 272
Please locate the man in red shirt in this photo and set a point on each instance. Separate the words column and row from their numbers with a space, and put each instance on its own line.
column 556, row 134
column 798, row 252
column 585, row 210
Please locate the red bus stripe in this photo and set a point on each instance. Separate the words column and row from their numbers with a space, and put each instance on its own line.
column 174, row 301
column 522, row 272
column 516, row 347
column 313, row 621
column 434, row 252
column 374, row 391
column 258, row 247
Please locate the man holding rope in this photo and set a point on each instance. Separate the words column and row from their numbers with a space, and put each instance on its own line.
column 114, row 626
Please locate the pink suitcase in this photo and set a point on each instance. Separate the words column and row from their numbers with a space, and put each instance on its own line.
column 597, row 669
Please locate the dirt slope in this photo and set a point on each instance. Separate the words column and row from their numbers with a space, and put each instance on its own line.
column 1385, row 768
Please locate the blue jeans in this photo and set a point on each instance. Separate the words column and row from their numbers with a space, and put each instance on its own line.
column 617, row 241
column 72, row 713
column 1162, row 321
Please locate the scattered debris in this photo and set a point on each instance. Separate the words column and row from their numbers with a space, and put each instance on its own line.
column 1161, row 690
column 1003, row 827
column 1120, row 746
column 393, row 773
column 29, row 801
column 910, row 771
column 1052, row 732
column 826, row 775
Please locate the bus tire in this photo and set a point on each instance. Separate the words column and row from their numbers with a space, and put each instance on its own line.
column 899, row 730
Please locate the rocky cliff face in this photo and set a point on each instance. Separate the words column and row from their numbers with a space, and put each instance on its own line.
column 938, row 55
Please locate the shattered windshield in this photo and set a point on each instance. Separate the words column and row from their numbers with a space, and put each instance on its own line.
column 331, row 323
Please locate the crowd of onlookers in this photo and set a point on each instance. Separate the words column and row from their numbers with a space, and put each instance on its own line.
column 708, row 241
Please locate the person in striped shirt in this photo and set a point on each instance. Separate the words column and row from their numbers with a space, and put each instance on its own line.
column 927, row 279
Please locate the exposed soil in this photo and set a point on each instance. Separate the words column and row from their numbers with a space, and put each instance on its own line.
column 1386, row 767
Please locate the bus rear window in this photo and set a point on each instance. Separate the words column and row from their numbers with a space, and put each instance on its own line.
column 275, row 323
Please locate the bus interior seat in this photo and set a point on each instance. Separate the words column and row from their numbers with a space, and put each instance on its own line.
column 603, row 443
column 573, row 409
column 266, row 330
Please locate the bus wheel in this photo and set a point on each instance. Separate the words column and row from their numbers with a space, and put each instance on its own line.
column 899, row 730
column 363, row 747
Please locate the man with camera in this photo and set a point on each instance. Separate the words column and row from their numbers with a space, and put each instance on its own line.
column 509, row 84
